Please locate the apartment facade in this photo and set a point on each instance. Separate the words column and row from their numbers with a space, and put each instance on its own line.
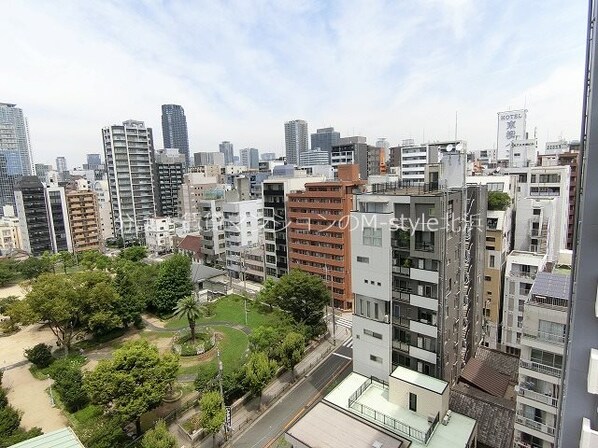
column 520, row 272
column 84, row 219
column 209, row 158
column 170, row 169
column 159, row 234
column 195, row 188
column 543, row 340
column 243, row 236
column 319, row 236
column 226, row 148
column 250, row 157
column 102, row 191
column 571, row 158
column 274, row 194
column 314, row 157
column 369, row 158
column 211, row 226
column 12, row 117
column 129, row 155
column 295, row 140
column 408, row 281
column 10, row 235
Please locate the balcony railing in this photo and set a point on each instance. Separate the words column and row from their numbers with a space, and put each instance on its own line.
column 386, row 420
column 523, row 274
column 538, row 426
column 403, row 346
column 544, row 336
column 537, row 396
column 540, row 368
column 401, row 294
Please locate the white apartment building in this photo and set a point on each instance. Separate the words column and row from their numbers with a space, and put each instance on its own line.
column 520, row 272
column 541, row 360
column 10, row 235
column 159, row 234
column 211, row 225
column 195, row 188
column 556, row 147
column 129, row 154
column 523, row 153
column 413, row 161
column 243, row 233
column 100, row 188
column 542, row 204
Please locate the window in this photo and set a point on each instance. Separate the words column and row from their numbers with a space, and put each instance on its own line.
column 363, row 259
column 412, row 402
column 372, row 237
column 487, row 278
column 372, row 334
column 376, row 358
column 492, row 261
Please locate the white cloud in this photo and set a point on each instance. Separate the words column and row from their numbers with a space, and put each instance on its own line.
column 240, row 69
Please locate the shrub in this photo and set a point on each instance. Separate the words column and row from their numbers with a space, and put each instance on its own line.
column 498, row 200
column 40, row 355
column 3, row 399
column 69, row 384
column 9, row 421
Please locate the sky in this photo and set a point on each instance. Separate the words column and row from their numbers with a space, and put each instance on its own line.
column 395, row 69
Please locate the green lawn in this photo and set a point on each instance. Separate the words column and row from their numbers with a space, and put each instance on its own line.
column 232, row 309
column 232, row 352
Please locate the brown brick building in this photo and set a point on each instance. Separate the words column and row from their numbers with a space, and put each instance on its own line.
column 84, row 217
column 319, row 231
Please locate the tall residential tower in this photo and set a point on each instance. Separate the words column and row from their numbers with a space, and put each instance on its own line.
column 295, row 140
column 174, row 129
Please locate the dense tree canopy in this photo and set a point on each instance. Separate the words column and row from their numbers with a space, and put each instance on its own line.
column 302, row 295
column 133, row 382
column 291, row 350
column 173, row 283
column 134, row 253
column 158, row 437
column 73, row 305
column 498, row 200
column 212, row 413
column 259, row 370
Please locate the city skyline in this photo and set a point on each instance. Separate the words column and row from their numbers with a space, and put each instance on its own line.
column 476, row 59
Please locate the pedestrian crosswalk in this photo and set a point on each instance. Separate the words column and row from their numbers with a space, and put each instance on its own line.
column 343, row 322
column 348, row 343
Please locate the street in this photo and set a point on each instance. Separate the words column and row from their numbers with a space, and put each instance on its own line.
column 292, row 406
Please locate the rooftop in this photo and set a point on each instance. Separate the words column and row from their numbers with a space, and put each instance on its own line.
column 373, row 405
column 201, row 272
column 62, row 438
column 417, row 379
column 552, row 284
column 327, row 427
column 191, row 242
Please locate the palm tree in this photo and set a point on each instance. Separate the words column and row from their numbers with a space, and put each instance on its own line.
column 191, row 309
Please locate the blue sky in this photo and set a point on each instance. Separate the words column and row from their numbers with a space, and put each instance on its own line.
column 396, row 69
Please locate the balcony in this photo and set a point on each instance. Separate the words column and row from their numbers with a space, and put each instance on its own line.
column 523, row 274
column 539, row 397
column 544, row 336
column 540, row 368
column 403, row 346
column 538, row 426
column 401, row 294
column 401, row 270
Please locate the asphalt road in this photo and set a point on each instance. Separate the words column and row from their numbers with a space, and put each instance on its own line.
column 293, row 405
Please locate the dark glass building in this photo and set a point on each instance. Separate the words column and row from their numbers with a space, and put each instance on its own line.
column 174, row 129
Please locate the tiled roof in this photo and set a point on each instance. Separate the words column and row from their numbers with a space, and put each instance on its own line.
column 191, row 242
column 495, row 416
column 485, row 378
column 201, row 272
column 499, row 361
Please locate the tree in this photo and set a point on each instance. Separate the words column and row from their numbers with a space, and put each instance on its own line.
column 72, row 306
column 133, row 382
column 10, row 419
column 303, row 296
column 51, row 260
column 267, row 293
column 67, row 259
column 93, row 259
column 34, row 267
column 259, row 370
column 206, row 378
column 6, row 303
column 498, row 200
column 211, row 413
column 134, row 284
column 291, row 350
column 189, row 308
column 134, row 253
column 40, row 355
column 68, row 382
column 173, row 283
column 158, row 437
column 6, row 275
column 265, row 339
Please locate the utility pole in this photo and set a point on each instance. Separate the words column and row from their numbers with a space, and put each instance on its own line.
column 244, row 271
column 221, row 389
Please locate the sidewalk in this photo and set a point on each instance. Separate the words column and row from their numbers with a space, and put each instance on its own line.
column 246, row 414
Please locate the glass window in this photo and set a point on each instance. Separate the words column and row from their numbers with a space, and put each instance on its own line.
column 372, row 237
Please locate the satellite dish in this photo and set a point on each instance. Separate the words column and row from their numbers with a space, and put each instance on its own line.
column 459, row 147
column 449, row 147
